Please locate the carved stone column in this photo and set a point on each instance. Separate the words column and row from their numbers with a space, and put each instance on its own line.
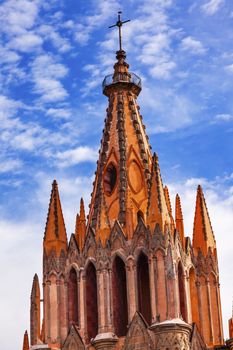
column 188, row 299
column 82, row 305
column 198, row 284
column 209, row 309
column 171, row 335
column 131, row 288
column 152, row 288
column 58, row 310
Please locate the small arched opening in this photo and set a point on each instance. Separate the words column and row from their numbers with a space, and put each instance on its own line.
column 73, row 298
column 140, row 216
column 143, row 280
column 110, row 179
column 91, row 301
column 182, row 295
column 119, row 289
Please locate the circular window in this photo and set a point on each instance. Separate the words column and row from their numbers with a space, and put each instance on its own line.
column 110, row 177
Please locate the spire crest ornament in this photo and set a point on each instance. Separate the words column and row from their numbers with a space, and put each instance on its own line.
column 119, row 24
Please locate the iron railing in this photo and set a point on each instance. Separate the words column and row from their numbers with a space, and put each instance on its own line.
column 133, row 79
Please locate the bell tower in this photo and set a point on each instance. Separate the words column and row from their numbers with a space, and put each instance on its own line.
column 123, row 172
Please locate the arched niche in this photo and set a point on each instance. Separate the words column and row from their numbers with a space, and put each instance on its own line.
column 143, row 284
column 91, row 301
column 73, row 298
column 182, row 291
column 119, row 297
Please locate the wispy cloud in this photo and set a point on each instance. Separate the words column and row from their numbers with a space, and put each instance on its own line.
column 211, row 7
column 223, row 118
column 193, row 46
column 46, row 73
column 75, row 156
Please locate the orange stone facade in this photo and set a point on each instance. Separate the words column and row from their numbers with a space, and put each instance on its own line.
column 128, row 278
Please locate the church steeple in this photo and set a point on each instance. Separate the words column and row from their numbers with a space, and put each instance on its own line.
column 55, row 232
column 123, row 172
column 203, row 235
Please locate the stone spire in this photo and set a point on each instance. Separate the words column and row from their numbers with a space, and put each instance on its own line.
column 179, row 220
column 123, row 171
column 203, row 236
column 158, row 212
column 55, row 237
column 25, row 341
column 35, row 311
column 80, row 228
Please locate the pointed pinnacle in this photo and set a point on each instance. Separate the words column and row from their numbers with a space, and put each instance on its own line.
column 179, row 220
column 179, row 214
column 167, row 197
column 25, row 341
column 82, row 210
column 155, row 158
column 203, row 236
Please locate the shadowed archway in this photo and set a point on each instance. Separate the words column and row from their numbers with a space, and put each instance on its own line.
column 143, row 280
column 73, row 298
column 119, row 292
column 91, row 301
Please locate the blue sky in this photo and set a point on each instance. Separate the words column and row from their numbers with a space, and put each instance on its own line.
column 54, row 56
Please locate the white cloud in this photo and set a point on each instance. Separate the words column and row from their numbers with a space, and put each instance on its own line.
column 46, row 72
column 224, row 117
column 63, row 113
column 60, row 43
column 229, row 68
column 7, row 165
column 85, row 26
column 16, row 16
column 163, row 70
column 76, row 156
column 211, row 7
column 27, row 42
column 192, row 45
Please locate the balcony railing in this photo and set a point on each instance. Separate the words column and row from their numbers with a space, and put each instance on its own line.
column 133, row 79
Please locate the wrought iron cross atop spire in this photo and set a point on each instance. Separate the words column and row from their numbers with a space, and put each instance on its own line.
column 119, row 24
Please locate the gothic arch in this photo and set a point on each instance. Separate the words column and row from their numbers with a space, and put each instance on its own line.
column 194, row 297
column 119, row 296
column 73, row 312
column 182, row 291
column 91, row 301
column 143, row 286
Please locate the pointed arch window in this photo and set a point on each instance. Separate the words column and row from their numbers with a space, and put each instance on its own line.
column 110, row 179
column 73, row 298
column 182, row 295
column 91, row 301
column 143, row 281
column 119, row 290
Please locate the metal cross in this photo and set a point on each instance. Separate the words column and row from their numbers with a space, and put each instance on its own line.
column 119, row 24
